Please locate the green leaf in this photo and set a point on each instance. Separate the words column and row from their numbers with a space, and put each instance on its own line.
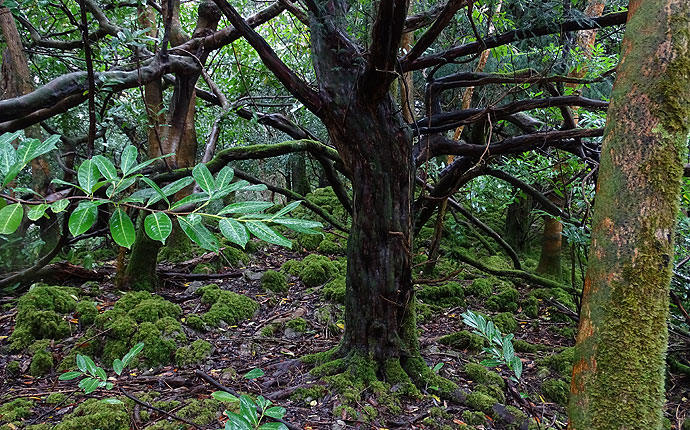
column 101, row 373
column 254, row 373
column 508, row 351
column 89, row 385
column 128, row 159
column 223, row 396
column 158, row 226
column 82, row 218
column 276, row 412
column 256, row 187
column 118, row 366
column 190, row 199
column 136, row 349
column 59, row 205
column 299, row 225
column 146, row 163
column 81, row 363
column 157, row 189
column 34, row 148
column 90, row 365
column 10, row 218
column 8, row 156
column 287, row 209
column 191, row 225
column 88, row 175
column 106, row 167
column 68, row 376
column 245, row 207
column 490, row 362
column 264, row 232
column 37, row 211
column 248, row 410
column 224, row 177
column 176, row 186
column 204, row 178
column 234, row 231
column 122, row 228
column 273, row 426
column 122, row 185
column 516, row 365
column 237, row 421
column 112, row 400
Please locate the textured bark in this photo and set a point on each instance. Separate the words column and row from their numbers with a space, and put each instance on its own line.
column 517, row 222
column 550, row 257
column 618, row 376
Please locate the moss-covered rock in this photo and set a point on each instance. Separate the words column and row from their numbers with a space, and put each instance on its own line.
column 334, row 290
column 235, row 257
column 153, row 309
column 561, row 363
column 505, row 322
column 530, row 307
column 556, row 390
column 309, row 242
column 478, row 373
column 87, row 312
column 446, row 295
column 307, row 395
column 330, row 247
column 13, row 368
column 298, row 325
column 195, row 322
column 42, row 314
column 291, row 267
column 226, row 306
column 158, row 349
column 55, row 398
column 481, row 287
column 202, row 411
column 474, row 418
column 94, row 414
column 15, row 410
column 481, row 402
column 491, row 390
column 42, row 359
column 504, row 301
column 463, row 340
column 274, row 281
column 195, row 353
column 317, row 270
column 523, row 346
column 204, row 269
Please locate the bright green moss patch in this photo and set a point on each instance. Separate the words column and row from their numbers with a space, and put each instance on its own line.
column 317, row 270
column 309, row 242
column 478, row 373
column 42, row 359
column 474, row 418
column 226, row 306
column 291, row 267
column 556, row 390
column 330, row 247
column 158, row 349
column 87, row 312
column 235, row 257
column 504, row 301
column 13, row 368
column 55, row 398
column 481, row 287
column 561, row 362
column 494, row 391
column 530, row 307
column 204, row 269
column 202, row 412
column 195, row 353
column 15, row 410
column 306, row 395
column 196, row 322
column 334, row 290
column 523, row 346
column 505, row 322
column 446, row 295
column 298, row 324
column 463, row 340
column 274, row 281
column 41, row 314
column 481, row 402
column 94, row 414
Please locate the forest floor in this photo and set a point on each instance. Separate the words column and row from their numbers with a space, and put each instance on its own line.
column 289, row 325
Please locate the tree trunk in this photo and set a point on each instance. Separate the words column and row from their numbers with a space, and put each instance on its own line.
column 299, row 181
column 618, row 377
column 517, row 222
column 550, row 258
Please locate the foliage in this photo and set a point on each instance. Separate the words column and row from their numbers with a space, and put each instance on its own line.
column 501, row 347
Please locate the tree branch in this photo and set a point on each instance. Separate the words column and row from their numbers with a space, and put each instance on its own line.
column 433, row 32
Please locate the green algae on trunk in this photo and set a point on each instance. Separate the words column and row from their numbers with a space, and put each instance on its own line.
column 618, row 375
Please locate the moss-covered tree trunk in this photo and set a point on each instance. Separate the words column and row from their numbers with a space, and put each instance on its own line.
column 618, row 377
column 517, row 222
column 550, row 257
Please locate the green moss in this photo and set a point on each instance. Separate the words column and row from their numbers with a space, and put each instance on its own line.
column 228, row 307
column 196, row 322
column 309, row 242
column 463, row 340
column 87, row 312
column 561, row 362
column 523, row 346
column 55, row 398
column 334, row 290
column 167, row 405
column 478, row 373
column 306, row 395
column 474, row 418
column 481, row 287
column 505, row 322
column 556, row 390
column 15, row 410
column 298, row 324
column 13, row 368
column 291, row 267
column 195, row 353
column 686, row 424
column 504, row 301
column 153, row 309
column 330, row 247
column 204, row 269
column 446, row 295
column 94, row 414
column 274, row 281
column 496, row 262
column 41, row 314
column 42, row 359
column 269, row 330
column 530, row 307
column 316, row 270
column 209, row 293
column 491, row 390
column 235, row 257
column 481, row 402
column 202, row 412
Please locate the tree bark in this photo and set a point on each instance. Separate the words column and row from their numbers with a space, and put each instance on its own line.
column 618, row 376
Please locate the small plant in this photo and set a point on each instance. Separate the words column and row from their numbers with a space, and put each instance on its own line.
column 251, row 412
column 95, row 376
column 500, row 347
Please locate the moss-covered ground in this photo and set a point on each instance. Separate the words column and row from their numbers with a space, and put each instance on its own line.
column 287, row 305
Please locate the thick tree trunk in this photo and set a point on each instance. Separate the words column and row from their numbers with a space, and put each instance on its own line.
column 550, row 258
column 618, row 377
column 517, row 223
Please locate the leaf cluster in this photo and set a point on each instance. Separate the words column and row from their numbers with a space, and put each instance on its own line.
column 500, row 347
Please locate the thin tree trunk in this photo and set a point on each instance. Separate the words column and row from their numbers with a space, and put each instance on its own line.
column 618, row 376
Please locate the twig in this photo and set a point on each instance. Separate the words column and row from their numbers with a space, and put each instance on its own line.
column 162, row 411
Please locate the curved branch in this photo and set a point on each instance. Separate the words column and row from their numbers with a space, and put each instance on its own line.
column 444, row 57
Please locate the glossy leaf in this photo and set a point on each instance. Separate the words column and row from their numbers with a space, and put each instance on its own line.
column 68, row 376
column 106, row 167
column 122, row 185
column 88, row 175
column 122, row 228
column 196, row 231
column 59, row 205
column 133, row 352
column 224, row 177
column 275, row 412
column 118, row 366
column 245, row 207
column 8, row 155
column 146, row 163
column 265, row 233
column 273, row 426
column 178, row 185
column 288, row 208
column 36, row 212
column 204, row 178
column 10, row 218
column 254, row 373
column 83, row 217
column 248, row 410
column 128, row 159
column 234, row 231
column 191, row 199
column 158, row 226
column 223, row 396
column 156, row 188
